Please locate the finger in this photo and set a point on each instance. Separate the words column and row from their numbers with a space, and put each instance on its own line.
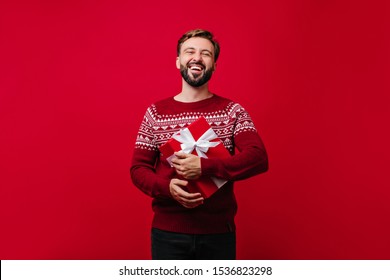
column 192, row 203
column 175, row 160
column 179, row 167
column 181, row 171
column 189, row 197
column 180, row 183
column 183, row 196
column 189, row 176
column 186, row 196
column 181, row 155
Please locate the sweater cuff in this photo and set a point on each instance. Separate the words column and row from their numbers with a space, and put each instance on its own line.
column 163, row 188
column 209, row 166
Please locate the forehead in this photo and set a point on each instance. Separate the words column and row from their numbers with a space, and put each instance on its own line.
column 198, row 43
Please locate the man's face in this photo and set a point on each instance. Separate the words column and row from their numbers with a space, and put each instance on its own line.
column 196, row 61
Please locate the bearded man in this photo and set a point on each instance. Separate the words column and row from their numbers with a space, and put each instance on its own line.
column 187, row 225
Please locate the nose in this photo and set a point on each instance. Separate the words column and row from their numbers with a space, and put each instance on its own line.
column 196, row 56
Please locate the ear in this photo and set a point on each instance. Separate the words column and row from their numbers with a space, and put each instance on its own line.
column 214, row 67
column 177, row 63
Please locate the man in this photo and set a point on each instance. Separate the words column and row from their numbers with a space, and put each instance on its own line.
column 186, row 225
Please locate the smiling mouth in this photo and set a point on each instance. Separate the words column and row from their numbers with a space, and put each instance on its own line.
column 196, row 67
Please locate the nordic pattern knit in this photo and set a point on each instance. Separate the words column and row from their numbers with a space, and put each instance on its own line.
column 152, row 175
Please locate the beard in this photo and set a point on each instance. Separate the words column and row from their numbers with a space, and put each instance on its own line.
column 195, row 80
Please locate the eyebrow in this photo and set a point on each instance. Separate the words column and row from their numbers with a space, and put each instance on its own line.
column 203, row 50
column 207, row 51
column 189, row 48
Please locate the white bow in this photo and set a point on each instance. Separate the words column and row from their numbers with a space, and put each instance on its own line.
column 201, row 146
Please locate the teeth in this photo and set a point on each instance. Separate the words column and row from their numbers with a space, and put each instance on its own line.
column 195, row 68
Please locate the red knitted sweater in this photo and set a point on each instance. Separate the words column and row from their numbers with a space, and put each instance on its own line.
column 152, row 175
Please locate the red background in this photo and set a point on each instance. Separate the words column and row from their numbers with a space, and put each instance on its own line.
column 77, row 76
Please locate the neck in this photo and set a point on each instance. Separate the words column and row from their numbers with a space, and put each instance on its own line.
column 193, row 94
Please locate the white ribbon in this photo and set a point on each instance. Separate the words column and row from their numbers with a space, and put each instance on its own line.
column 201, row 146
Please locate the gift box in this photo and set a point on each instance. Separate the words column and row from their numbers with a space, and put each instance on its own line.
column 201, row 140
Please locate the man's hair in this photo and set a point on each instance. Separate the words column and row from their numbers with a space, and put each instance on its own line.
column 199, row 33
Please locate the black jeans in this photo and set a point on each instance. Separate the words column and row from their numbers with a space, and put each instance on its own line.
column 178, row 246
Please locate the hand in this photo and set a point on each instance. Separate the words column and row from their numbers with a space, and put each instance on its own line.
column 187, row 165
column 188, row 200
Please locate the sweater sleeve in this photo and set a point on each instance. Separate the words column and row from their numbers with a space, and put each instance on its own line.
column 251, row 160
column 142, row 170
column 144, row 176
